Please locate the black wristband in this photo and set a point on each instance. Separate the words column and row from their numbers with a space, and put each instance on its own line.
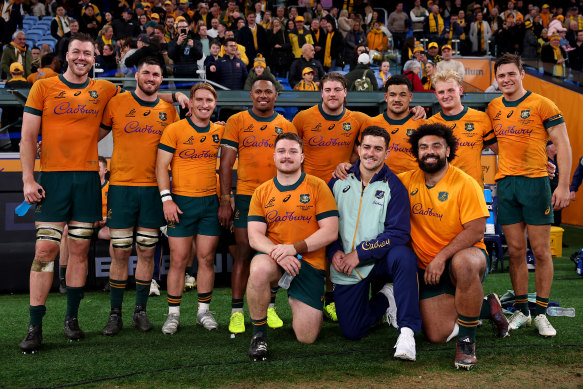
column 174, row 97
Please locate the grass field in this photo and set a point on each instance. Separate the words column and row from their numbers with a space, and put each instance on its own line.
column 195, row 357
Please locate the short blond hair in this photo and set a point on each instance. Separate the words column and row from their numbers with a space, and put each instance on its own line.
column 445, row 76
column 203, row 85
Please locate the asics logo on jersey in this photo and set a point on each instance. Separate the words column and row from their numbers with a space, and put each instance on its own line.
column 192, row 154
column 346, row 189
column 134, row 126
column 66, row 109
column 202, row 139
column 252, row 141
column 414, row 191
column 332, row 127
column 147, row 113
column 189, row 141
column 61, row 95
column 510, row 114
column 77, row 93
column 452, row 127
column 548, row 210
column 417, row 209
column 318, row 140
column 395, row 131
column 263, row 127
column 131, row 114
column 286, row 198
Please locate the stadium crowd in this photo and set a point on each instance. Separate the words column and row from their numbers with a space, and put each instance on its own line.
column 193, row 35
column 418, row 180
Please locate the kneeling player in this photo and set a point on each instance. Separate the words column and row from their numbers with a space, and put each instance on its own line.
column 133, row 199
column 374, row 247
column 292, row 218
column 191, row 147
column 448, row 218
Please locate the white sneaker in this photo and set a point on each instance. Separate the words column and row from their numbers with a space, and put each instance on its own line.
column 391, row 313
column 171, row 325
column 543, row 326
column 519, row 319
column 189, row 282
column 154, row 288
column 405, row 346
column 207, row 320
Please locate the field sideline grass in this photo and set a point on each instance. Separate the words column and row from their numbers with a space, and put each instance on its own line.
column 195, row 357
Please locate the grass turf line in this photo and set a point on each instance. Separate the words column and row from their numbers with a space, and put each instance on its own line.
column 199, row 358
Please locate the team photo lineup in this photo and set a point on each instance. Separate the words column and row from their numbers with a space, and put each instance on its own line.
column 362, row 219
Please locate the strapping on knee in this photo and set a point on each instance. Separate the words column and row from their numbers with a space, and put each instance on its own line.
column 146, row 239
column 42, row 266
column 122, row 239
column 81, row 231
column 49, row 232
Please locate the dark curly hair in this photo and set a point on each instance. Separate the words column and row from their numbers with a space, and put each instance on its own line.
column 436, row 129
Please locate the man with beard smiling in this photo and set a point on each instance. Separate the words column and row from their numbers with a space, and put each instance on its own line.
column 448, row 218
column 137, row 120
column 292, row 217
column 69, row 108
column 250, row 135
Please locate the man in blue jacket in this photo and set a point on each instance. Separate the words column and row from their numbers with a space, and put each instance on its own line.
column 231, row 71
column 372, row 244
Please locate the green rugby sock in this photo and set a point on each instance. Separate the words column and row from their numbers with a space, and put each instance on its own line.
column 259, row 326
column 541, row 306
column 116, row 291
column 74, row 297
column 521, row 303
column 142, row 292
column 273, row 294
column 467, row 326
column 237, row 303
column 37, row 313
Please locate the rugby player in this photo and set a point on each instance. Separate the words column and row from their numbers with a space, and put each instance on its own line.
column 399, row 123
column 292, row 217
column 69, row 109
column 191, row 147
column 137, row 120
column 372, row 244
column 329, row 132
column 471, row 128
column 250, row 135
column 448, row 218
column 523, row 122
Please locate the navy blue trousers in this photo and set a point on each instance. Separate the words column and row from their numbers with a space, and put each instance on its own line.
column 357, row 313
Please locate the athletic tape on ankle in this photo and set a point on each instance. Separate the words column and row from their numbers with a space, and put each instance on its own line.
column 42, row 266
column 146, row 239
column 49, row 232
column 81, row 231
column 121, row 239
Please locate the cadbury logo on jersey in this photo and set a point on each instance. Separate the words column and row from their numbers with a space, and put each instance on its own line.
column 289, row 216
column 511, row 131
column 318, row 140
column 417, row 209
column 192, row 154
column 399, row 148
column 251, row 141
column 134, row 126
column 66, row 109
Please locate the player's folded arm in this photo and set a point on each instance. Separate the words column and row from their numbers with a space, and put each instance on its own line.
column 257, row 230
